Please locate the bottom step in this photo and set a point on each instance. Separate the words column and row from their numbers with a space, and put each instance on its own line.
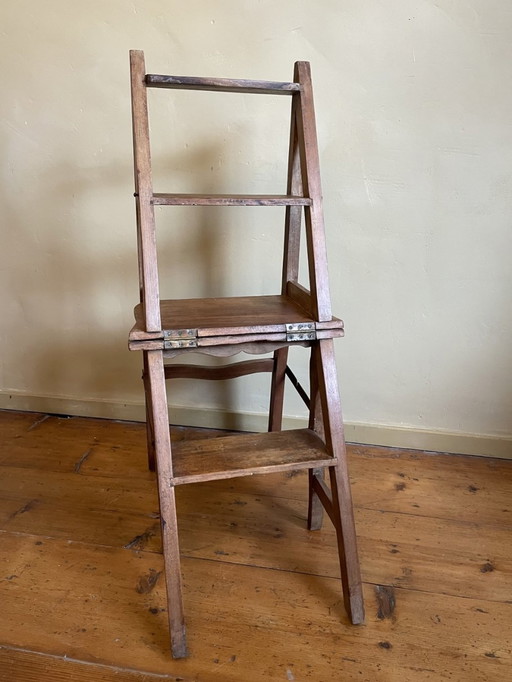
column 247, row 454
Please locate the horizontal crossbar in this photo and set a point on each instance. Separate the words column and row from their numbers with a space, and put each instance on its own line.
column 325, row 497
column 232, row 371
column 161, row 199
column 221, row 84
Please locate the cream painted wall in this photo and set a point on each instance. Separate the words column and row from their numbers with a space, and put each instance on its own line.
column 414, row 109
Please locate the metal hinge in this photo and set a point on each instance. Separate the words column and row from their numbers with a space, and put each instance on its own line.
column 301, row 331
column 180, row 338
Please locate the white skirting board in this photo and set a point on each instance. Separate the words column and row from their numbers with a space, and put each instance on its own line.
column 367, row 434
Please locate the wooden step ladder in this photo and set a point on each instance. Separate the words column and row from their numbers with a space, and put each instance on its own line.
column 257, row 325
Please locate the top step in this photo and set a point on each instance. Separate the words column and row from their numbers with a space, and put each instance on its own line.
column 221, row 84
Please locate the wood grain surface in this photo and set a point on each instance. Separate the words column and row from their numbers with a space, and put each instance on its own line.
column 165, row 199
column 229, row 316
column 82, row 588
column 221, row 84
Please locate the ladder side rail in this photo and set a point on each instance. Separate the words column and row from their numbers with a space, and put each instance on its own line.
column 293, row 215
column 146, row 232
column 310, row 165
column 323, row 355
column 221, row 84
column 290, row 271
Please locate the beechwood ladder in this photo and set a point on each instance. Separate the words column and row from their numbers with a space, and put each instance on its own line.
column 297, row 316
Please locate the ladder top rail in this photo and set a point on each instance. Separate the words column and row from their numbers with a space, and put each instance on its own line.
column 221, row 84
column 162, row 199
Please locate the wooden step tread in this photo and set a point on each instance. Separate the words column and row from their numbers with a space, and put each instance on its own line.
column 163, row 199
column 247, row 454
column 221, row 84
column 235, row 315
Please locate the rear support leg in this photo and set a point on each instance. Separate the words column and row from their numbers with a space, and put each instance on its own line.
column 315, row 506
column 150, row 432
column 275, row 419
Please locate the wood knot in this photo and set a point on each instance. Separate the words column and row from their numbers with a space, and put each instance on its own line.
column 385, row 645
column 386, row 601
column 487, row 568
column 140, row 541
column 147, row 582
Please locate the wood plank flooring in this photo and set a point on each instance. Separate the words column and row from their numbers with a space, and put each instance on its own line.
column 82, row 593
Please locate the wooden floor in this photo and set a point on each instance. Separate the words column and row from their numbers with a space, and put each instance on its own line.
column 82, row 594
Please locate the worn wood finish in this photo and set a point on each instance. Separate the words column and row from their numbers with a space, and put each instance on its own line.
column 316, row 423
column 290, row 272
column 299, row 295
column 334, row 323
column 150, row 431
column 226, row 351
column 474, row 491
column 296, row 316
column 248, row 454
column 229, row 321
column 310, row 166
column 166, row 494
column 236, row 343
column 277, row 385
column 14, row 425
column 20, row 665
column 221, row 84
column 241, row 337
column 104, row 495
column 323, row 352
column 232, row 371
column 101, row 611
column 434, row 540
column 236, row 522
column 135, row 135
column 293, row 215
column 161, row 199
column 144, row 193
column 230, row 315
column 324, row 496
column 316, row 502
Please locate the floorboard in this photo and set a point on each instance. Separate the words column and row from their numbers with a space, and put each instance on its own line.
column 82, row 591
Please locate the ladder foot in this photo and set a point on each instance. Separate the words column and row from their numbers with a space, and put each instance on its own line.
column 354, row 605
column 179, row 646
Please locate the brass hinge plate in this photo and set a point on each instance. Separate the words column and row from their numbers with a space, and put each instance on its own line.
column 180, row 338
column 301, row 331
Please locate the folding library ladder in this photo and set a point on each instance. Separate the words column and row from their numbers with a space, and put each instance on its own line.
column 227, row 326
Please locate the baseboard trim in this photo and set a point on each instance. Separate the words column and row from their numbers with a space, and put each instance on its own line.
column 365, row 434
column 412, row 438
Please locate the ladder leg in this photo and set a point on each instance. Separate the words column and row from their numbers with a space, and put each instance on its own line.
column 150, row 431
column 290, row 270
column 343, row 514
column 275, row 419
column 315, row 507
column 167, row 498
